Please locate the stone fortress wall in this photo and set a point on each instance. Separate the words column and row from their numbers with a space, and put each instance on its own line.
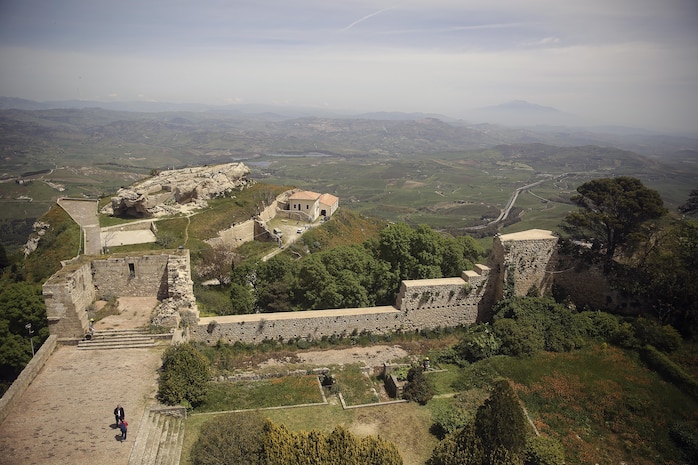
column 70, row 292
column 520, row 261
column 421, row 304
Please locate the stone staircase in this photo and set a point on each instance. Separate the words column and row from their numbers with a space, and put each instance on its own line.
column 160, row 437
column 122, row 339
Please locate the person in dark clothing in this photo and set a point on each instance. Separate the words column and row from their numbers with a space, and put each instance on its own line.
column 123, row 426
column 119, row 414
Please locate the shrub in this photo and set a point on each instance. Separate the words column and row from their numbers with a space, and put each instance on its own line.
column 669, row 370
column 230, row 439
column 664, row 338
column 686, row 438
column 597, row 325
column 479, row 342
column 518, row 339
column 544, row 450
column 184, row 376
column 417, row 388
column 449, row 419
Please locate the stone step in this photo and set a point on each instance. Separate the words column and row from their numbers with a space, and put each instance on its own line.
column 117, row 339
column 160, row 437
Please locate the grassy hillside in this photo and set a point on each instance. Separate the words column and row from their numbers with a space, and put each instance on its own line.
column 600, row 402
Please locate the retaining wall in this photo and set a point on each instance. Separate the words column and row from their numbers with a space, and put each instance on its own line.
column 25, row 378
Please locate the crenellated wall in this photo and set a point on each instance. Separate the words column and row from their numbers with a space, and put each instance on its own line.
column 421, row 304
column 523, row 261
column 520, row 261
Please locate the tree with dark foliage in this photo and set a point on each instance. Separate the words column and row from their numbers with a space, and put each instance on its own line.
column 691, row 205
column 611, row 210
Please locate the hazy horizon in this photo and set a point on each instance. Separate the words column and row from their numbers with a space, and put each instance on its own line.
column 624, row 62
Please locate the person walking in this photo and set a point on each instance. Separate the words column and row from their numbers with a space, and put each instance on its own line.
column 123, row 426
column 119, row 415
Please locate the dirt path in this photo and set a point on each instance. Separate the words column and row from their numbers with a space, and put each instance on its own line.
column 370, row 356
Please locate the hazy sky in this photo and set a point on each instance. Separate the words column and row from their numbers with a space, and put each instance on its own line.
column 617, row 61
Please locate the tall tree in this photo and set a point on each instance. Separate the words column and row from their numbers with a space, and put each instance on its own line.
column 610, row 210
column 496, row 436
column 691, row 205
column 184, row 376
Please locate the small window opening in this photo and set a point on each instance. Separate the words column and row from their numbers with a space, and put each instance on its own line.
column 132, row 270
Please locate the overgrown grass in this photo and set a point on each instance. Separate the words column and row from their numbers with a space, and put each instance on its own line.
column 60, row 242
column 600, row 402
column 357, row 388
column 275, row 392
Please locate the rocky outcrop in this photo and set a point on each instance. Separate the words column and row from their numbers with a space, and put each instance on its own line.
column 39, row 228
column 178, row 191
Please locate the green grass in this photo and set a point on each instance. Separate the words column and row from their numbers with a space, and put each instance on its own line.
column 601, row 403
column 355, row 386
column 443, row 381
column 275, row 392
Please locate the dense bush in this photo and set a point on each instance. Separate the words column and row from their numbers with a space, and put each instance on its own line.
column 230, row 439
column 496, row 436
column 544, row 450
column 418, row 389
column 669, row 370
column 597, row 325
column 526, row 325
column 184, row 376
column 283, row 447
column 448, row 420
column 686, row 438
column 662, row 337
column 518, row 338
column 479, row 342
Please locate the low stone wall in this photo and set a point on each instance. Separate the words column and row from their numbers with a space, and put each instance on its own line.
column 313, row 324
column 25, row 378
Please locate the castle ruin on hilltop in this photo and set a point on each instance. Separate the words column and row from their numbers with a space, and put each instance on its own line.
column 520, row 261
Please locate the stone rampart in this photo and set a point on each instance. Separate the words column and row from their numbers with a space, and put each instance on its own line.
column 520, row 262
column 67, row 295
column 131, row 275
column 247, row 231
column 69, row 292
column 25, row 378
column 312, row 324
column 421, row 304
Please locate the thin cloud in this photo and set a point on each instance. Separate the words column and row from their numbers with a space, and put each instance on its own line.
column 369, row 16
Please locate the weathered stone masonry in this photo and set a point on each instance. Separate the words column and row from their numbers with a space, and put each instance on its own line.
column 421, row 304
column 69, row 292
column 519, row 262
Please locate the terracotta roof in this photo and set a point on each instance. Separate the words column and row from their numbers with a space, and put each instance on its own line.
column 304, row 195
column 328, row 199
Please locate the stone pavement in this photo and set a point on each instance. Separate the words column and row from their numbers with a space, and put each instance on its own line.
column 66, row 414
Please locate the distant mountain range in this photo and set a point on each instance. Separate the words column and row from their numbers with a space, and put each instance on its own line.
column 512, row 122
column 525, row 114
